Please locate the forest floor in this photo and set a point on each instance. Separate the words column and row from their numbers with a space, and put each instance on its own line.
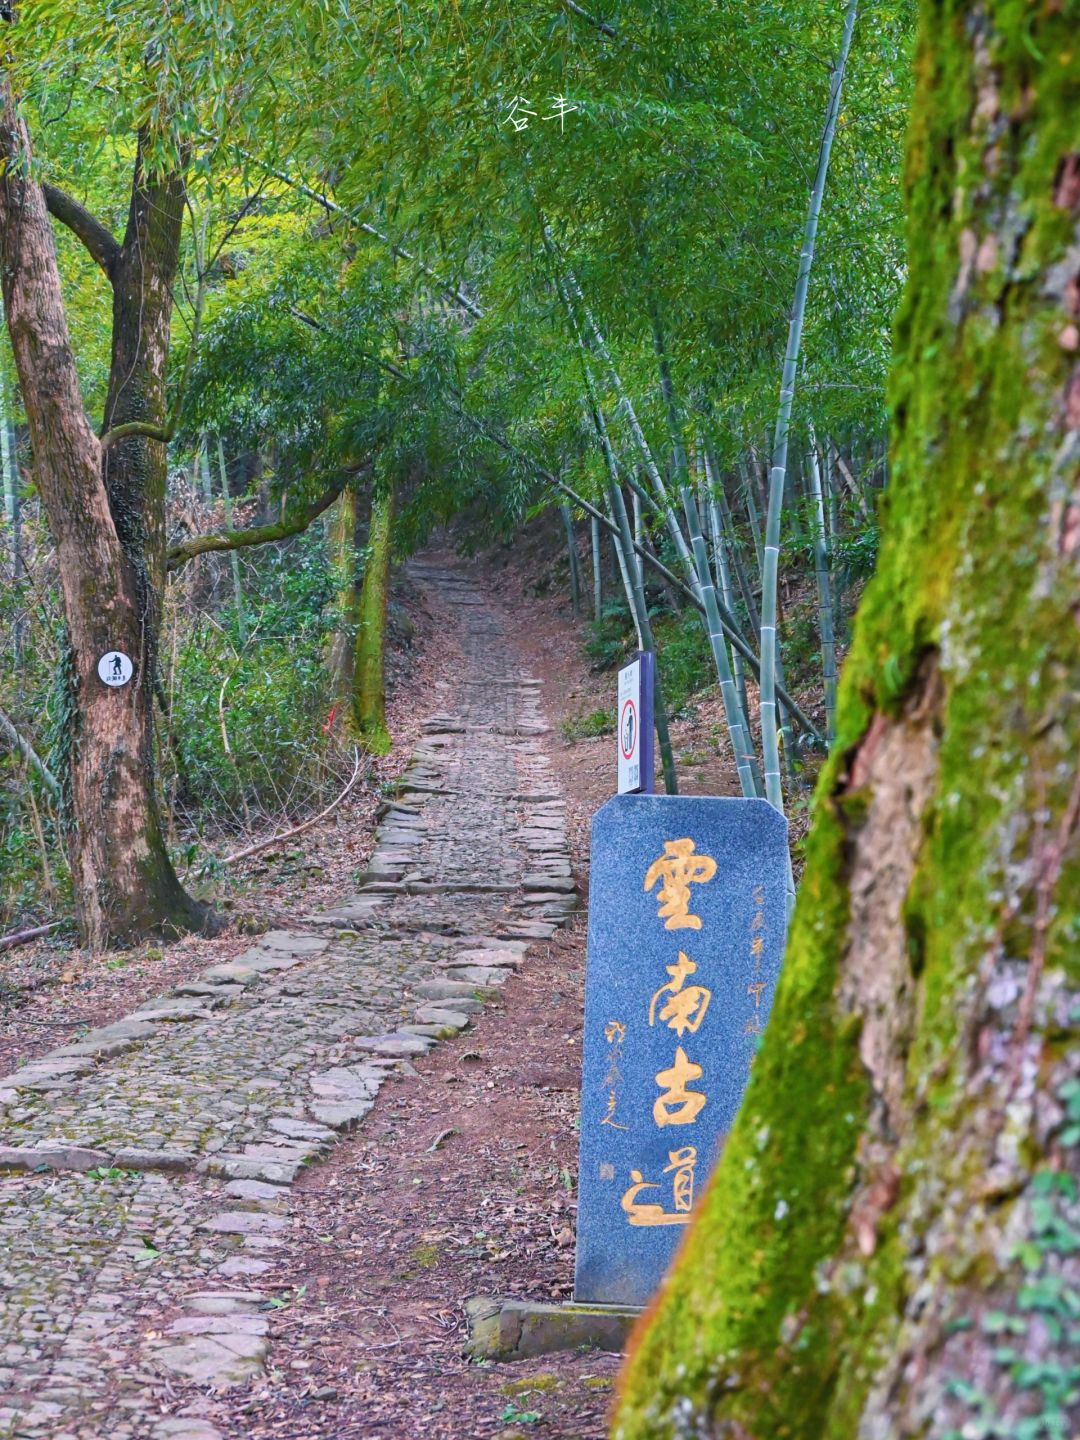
column 461, row 1178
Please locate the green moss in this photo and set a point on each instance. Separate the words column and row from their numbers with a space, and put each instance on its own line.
column 531, row 1384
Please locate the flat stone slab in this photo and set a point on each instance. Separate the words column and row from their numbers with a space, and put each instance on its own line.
column 340, row 1114
column 507, row 957
column 454, row 990
column 243, row 1222
column 219, row 1361
column 224, row 1302
column 292, row 941
column 46, row 1072
column 558, row 880
column 482, row 975
column 52, row 1155
column 232, row 972
column 180, row 1008
column 432, row 1015
column 399, row 1043
column 257, row 1191
column 186, row 1427
column 171, row 1162
column 522, row 1329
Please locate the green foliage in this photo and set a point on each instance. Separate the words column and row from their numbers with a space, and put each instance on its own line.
column 683, row 658
column 272, row 693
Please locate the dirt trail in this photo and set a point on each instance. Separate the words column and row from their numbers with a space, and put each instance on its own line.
column 163, row 1275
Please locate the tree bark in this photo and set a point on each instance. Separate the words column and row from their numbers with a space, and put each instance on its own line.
column 890, row 1247
column 109, row 531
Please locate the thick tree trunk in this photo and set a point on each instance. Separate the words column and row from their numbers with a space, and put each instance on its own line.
column 891, row 1244
column 369, row 678
column 124, row 883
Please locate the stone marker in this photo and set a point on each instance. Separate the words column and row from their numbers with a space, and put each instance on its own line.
column 687, row 922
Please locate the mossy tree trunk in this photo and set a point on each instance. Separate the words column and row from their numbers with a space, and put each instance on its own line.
column 106, row 512
column 344, row 546
column 369, row 676
column 891, row 1244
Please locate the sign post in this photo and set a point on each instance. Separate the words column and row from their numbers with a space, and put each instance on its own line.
column 687, row 921
column 635, row 725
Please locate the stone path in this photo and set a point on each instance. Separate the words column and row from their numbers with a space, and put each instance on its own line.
column 148, row 1166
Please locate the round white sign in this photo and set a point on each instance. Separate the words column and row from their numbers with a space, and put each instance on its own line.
column 115, row 668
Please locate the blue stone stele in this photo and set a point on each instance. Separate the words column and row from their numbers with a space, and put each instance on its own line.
column 687, row 921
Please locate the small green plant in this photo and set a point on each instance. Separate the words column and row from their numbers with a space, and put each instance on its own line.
column 287, row 1298
column 582, row 727
column 513, row 1416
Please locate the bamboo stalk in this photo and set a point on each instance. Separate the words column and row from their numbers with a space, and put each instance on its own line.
column 745, row 760
column 633, row 574
column 571, row 550
column 778, row 470
column 29, row 755
column 824, row 592
column 597, row 575
column 733, row 633
column 724, row 575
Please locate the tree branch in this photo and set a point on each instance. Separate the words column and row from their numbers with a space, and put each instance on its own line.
column 283, row 529
column 30, row 755
column 103, row 246
column 601, row 25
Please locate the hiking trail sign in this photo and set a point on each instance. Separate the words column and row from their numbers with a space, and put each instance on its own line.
column 634, row 724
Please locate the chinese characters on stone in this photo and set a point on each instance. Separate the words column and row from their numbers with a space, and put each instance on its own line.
column 682, row 1008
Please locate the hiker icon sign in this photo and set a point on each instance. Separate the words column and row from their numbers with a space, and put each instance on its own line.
column 115, row 668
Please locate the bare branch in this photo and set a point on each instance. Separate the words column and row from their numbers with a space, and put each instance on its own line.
column 282, row 529
column 298, row 829
column 103, row 246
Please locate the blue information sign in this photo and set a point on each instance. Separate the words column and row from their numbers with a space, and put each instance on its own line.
column 687, row 921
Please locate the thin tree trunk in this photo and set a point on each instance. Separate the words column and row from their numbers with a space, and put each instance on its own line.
column 597, row 574
column 572, row 556
column 234, row 558
column 109, row 534
column 635, row 500
column 11, row 497
column 636, row 586
column 369, row 679
column 889, row 1246
column 752, row 516
column 778, row 472
column 723, row 573
column 644, row 628
column 824, row 591
column 745, row 760
column 742, row 748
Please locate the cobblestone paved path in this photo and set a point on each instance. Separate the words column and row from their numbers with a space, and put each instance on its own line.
column 147, row 1168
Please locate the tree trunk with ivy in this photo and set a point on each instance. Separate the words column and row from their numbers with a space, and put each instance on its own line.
column 891, row 1244
column 106, row 513
column 369, row 674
